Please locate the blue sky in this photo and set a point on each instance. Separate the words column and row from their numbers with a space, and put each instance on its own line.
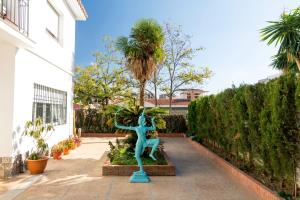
column 228, row 30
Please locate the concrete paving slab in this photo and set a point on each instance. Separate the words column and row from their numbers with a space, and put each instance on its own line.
column 78, row 176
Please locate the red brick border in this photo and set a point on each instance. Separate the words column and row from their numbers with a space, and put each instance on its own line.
column 163, row 135
column 171, row 135
column 102, row 135
column 127, row 170
column 261, row 190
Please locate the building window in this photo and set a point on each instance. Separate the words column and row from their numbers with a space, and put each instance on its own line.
column 50, row 105
column 52, row 21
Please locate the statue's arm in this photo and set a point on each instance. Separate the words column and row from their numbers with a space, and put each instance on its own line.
column 123, row 127
column 153, row 127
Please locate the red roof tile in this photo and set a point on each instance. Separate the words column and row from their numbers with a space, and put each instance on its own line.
column 178, row 102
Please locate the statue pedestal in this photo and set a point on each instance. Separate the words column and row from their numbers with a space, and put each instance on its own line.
column 139, row 177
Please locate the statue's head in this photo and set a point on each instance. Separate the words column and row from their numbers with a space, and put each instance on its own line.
column 142, row 119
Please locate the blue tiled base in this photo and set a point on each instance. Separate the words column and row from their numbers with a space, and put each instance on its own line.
column 139, row 177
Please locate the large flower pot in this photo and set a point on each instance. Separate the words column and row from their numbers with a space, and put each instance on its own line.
column 56, row 155
column 37, row 166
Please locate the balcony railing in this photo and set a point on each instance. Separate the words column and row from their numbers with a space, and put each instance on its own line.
column 16, row 12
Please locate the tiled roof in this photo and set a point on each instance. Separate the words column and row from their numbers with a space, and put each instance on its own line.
column 178, row 102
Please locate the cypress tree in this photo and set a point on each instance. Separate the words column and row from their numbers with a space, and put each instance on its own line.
column 240, row 117
column 254, row 98
column 192, row 114
column 257, row 120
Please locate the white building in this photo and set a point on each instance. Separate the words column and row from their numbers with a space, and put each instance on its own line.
column 37, row 43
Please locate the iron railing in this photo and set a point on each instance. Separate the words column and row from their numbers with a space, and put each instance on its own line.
column 16, row 12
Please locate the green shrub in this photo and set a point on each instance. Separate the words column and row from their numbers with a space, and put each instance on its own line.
column 93, row 121
column 174, row 124
column 123, row 154
column 254, row 126
column 97, row 121
column 192, row 114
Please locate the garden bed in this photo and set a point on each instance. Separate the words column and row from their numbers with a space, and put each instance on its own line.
column 163, row 169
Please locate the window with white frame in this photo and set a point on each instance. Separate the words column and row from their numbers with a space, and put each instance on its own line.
column 50, row 105
column 52, row 21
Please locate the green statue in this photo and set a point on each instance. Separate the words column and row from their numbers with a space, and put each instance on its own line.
column 141, row 143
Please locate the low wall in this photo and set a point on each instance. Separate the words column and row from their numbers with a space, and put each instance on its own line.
column 249, row 182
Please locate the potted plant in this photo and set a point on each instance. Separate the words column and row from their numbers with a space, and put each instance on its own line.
column 72, row 144
column 57, row 151
column 66, row 147
column 77, row 141
column 37, row 160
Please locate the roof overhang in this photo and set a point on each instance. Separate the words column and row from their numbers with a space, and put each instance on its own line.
column 77, row 9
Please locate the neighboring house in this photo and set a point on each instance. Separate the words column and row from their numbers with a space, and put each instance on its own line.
column 191, row 94
column 179, row 106
column 37, row 43
column 179, row 103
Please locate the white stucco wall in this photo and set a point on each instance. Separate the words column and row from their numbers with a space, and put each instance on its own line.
column 60, row 53
column 45, row 61
column 50, row 63
column 30, row 69
column 7, row 55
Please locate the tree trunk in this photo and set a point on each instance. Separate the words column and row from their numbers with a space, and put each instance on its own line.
column 295, row 178
column 298, row 63
column 155, row 87
column 142, row 93
column 155, row 94
column 285, row 70
column 170, row 103
column 106, row 102
column 170, row 97
column 251, row 158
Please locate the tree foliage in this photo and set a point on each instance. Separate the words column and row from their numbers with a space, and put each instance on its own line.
column 104, row 80
column 179, row 54
column 143, row 50
column 286, row 34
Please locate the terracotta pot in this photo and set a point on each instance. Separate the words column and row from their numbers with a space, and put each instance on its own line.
column 66, row 151
column 37, row 166
column 56, row 155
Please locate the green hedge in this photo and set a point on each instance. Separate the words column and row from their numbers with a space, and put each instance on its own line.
column 93, row 121
column 174, row 124
column 255, row 125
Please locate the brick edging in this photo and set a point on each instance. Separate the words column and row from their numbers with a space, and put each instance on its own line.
column 171, row 135
column 163, row 135
column 102, row 135
column 257, row 187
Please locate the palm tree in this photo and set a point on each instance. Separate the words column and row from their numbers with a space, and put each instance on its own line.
column 286, row 34
column 280, row 61
column 143, row 51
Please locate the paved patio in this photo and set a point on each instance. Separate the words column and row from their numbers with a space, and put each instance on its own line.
column 78, row 176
